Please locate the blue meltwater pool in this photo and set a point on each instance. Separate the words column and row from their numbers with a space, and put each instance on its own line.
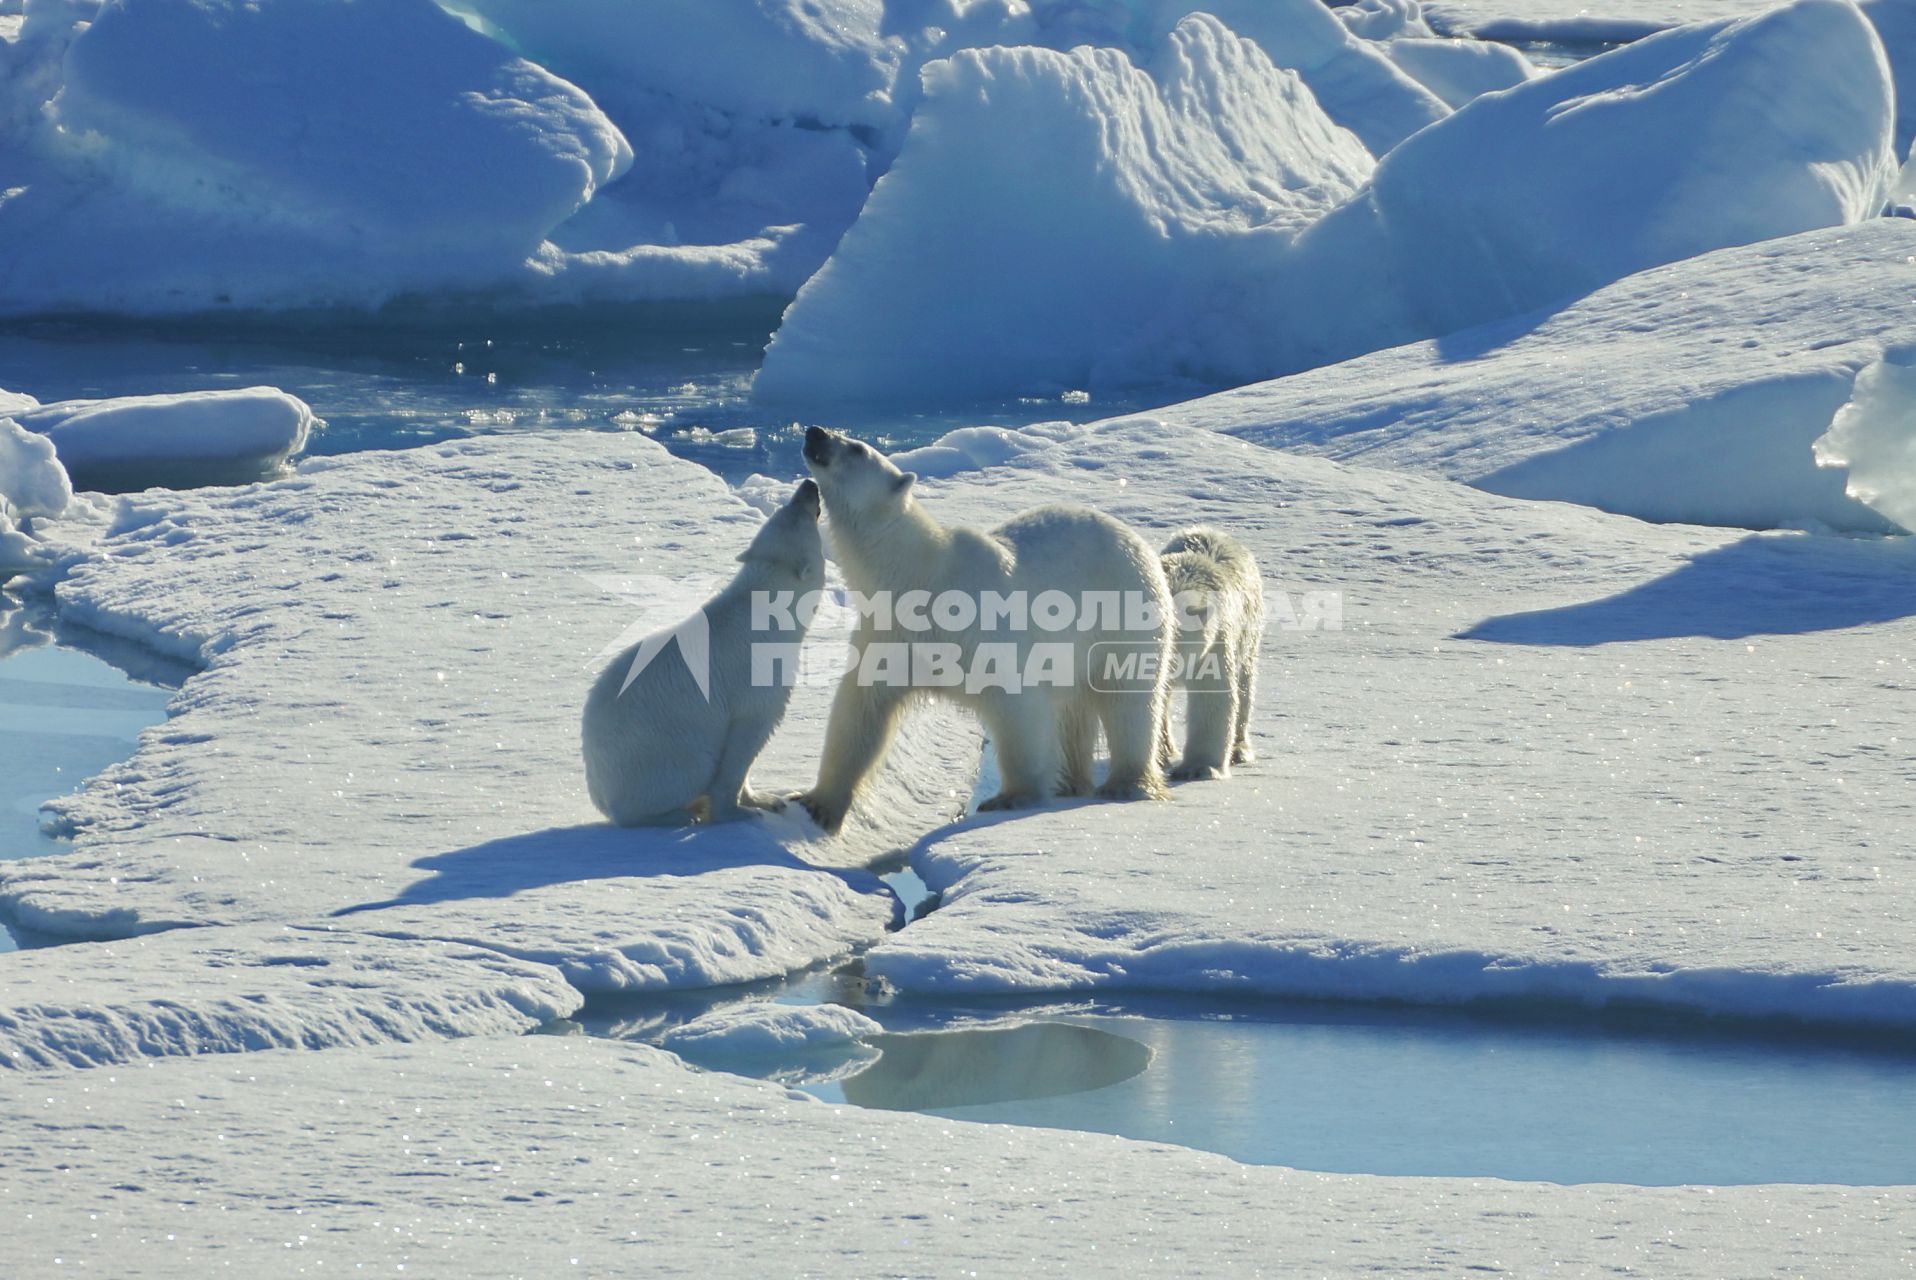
column 65, row 714
column 1538, row 1095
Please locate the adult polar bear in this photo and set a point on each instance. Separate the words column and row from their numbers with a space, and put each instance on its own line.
column 1044, row 733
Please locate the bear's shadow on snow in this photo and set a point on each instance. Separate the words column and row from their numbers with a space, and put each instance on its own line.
column 594, row 851
column 1761, row 585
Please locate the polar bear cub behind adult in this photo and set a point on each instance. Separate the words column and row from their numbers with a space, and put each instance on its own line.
column 1219, row 596
column 1044, row 731
column 660, row 749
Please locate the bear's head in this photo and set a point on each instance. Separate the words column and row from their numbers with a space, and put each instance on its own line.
column 787, row 546
column 860, row 484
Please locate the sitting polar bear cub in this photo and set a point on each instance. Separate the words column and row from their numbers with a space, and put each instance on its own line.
column 661, row 749
column 1220, row 600
column 1044, row 730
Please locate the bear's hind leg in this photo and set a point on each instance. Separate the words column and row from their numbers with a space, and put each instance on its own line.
column 1078, row 733
column 1024, row 732
column 1241, row 752
column 1133, row 723
column 1210, row 717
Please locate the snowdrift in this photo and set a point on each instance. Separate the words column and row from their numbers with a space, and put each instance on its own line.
column 1692, row 392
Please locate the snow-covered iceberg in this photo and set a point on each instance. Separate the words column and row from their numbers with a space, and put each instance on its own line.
column 1048, row 209
column 174, row 157
column 1689, row 141
column 1358, row 84
column 759, row 127
column 180, row 440
column 1895, row 22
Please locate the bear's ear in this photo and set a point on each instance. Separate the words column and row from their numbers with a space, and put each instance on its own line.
column 902, row 485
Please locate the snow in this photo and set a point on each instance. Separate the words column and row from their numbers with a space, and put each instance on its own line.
column 1690, row 392
column 196, row 437
column 260, row 987
column 1576, row 22
column 1436, row 817
column 1873, row 438
column 310, row 154
column 767, row 1029
column 781, row 60
column 1458, row 70
column 759, row 128
column 32, row 484
column 974, row 448
column 1052, row 203
column 1691, row 140
column 1358, row 85
column 1518, row 745
column 1895, row 22
column 1122, row 266
column 548, row 1155
column 396, row 644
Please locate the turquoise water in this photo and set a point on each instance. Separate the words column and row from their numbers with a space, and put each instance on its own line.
column 65, row 714
column 1376, row 1090
column 682, row 377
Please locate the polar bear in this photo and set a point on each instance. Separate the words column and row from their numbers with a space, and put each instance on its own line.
column 659, row 748
column 985, row 605
column 1219, row 597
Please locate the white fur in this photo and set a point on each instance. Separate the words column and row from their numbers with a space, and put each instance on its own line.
column 1044, row 735
column 1217, row 648
column 659, row 751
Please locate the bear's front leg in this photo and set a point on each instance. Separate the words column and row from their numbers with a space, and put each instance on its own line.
column 745, row 737
column 860, row 728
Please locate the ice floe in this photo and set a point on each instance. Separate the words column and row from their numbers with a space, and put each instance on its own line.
column 409, row 726
column 191, row 438
column 769, row 1028
column 1547, row 754
column 548, row 1155
column 260, row 987
column 1693, row 392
